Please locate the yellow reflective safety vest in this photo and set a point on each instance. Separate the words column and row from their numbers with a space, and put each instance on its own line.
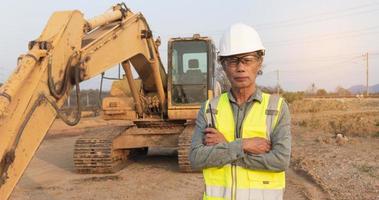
column 233, row 182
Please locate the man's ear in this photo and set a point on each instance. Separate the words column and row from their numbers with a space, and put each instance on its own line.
column 260, row 72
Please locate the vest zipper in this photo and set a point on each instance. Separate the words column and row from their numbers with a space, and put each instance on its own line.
column 234, row 182
column 234, row 166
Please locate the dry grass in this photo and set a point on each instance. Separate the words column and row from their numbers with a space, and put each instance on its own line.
column 317, row 105
column 338, row 116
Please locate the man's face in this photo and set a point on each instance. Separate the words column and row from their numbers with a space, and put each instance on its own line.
column 242, row 70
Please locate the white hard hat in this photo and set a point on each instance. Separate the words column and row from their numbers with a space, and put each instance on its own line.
column 240, row 38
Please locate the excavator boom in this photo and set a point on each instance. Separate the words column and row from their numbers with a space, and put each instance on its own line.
column 69, row 51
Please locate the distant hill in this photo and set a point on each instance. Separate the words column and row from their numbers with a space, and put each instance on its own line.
column 356, row 89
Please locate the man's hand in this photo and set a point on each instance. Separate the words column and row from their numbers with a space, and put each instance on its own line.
column 256, row 145
column 213, row 137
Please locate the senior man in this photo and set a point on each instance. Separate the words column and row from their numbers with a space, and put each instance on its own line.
column 242, row 139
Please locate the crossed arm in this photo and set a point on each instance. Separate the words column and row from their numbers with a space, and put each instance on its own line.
column 210, row 149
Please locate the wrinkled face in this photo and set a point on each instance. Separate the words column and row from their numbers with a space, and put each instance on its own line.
column 242, row 69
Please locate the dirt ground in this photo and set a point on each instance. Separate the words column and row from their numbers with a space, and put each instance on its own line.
column 345, row 167
column 323, row 166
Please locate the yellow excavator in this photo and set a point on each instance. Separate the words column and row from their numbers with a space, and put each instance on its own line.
column 71, row 49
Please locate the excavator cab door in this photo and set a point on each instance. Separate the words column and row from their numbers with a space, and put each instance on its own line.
column 190, row 70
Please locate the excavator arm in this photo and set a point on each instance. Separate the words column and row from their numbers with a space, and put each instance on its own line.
column 69, row 51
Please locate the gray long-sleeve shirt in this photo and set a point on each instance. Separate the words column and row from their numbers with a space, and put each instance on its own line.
column 202, row 156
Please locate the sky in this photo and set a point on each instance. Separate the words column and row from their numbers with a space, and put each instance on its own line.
column 314, row 41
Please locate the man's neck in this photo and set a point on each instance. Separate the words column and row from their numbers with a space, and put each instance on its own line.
column 243, row 94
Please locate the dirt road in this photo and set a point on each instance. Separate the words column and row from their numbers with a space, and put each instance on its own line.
column 51, row 176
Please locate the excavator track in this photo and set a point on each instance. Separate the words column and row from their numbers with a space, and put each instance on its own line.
column 184, row 146
column 94, row 153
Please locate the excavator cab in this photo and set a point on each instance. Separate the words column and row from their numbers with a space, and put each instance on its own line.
column 191, row 62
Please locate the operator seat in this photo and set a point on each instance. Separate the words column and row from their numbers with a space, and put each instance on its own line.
column 193, row 74
column 191, row 90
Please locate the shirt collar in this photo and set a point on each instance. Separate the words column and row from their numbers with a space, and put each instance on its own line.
column 256, row 96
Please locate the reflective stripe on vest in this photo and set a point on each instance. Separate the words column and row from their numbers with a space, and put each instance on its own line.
column 217, row 192
column 259, row 122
